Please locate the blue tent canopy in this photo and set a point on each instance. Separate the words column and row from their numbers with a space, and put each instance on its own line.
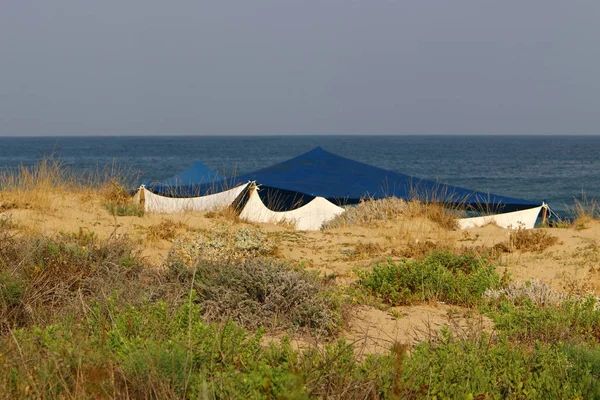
column 345, row 181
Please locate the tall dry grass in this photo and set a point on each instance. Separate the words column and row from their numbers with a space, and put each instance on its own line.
column 584, row 210
column 372, row 213
column 33, row 187
column 40, row 185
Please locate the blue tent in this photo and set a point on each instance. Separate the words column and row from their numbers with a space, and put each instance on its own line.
column 342, row 181
column 345, row 181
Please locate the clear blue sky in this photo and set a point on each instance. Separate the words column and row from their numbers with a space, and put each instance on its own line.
column 83, row 67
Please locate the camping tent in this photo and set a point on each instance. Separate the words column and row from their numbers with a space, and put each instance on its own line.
column 299, row 188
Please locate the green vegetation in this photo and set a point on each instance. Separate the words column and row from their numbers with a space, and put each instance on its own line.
column 455, row 279
column 571, row 320
column 499, row 369
column 84, row 317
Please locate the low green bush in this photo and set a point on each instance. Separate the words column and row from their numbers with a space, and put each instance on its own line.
column 523, row 320
column 585, row 355
column 496, row 369
column 447, row 277
column 11, row 291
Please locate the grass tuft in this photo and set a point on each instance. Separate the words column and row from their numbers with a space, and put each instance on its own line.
column 369, row 213
column 165, row 230
column 527, row 240
column 118, row 201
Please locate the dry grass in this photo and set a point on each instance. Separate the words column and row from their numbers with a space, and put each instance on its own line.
column 6, row 222
column 585, row 211
column 372, row 213
column 167, row 229
column 527, row 240
column 117, row 199
column 37, row 186
column 419, row 249
column 436, row 212
column 33, row 187
column 226, row 214
column 366, row 250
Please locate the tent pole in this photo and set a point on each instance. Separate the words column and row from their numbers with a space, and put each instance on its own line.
column 143, row 197
column 544, row 213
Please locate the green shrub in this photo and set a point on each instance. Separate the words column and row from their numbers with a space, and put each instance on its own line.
column 489, row 368
column 11, row 291
column 585, row 355
column 58, row 361
column 156, row 352
column 571, row 320
column 455, row 279
column 259, row 292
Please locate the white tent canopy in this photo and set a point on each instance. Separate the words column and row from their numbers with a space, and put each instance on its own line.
column 523, row 219
column 161, row 204
column 310, row 216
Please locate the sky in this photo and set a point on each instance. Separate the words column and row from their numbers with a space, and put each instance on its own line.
column 282, row 67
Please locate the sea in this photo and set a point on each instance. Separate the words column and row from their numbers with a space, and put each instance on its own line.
column 557, row 169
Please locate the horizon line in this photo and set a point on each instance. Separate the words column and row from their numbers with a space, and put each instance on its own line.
column 301, row 135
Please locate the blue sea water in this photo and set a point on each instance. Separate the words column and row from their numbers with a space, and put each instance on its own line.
column 551, row 168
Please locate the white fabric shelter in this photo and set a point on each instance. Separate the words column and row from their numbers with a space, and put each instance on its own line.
column 309, row 217
column 155, row 203
column 523, row 219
